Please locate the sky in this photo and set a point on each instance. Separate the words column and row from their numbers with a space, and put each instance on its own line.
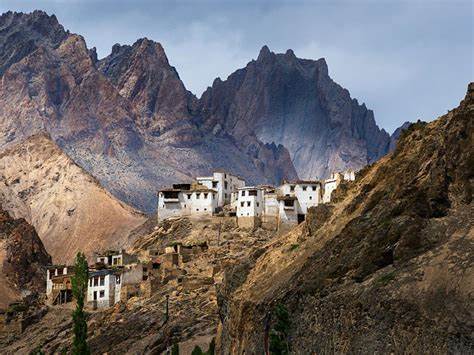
column 406, row 60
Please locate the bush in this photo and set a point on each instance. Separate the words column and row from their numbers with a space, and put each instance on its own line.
column 280, row 331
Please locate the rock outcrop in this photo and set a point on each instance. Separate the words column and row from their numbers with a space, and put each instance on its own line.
column 67, row 206
column 388, row 268
column 290, row 101
column 23, row 259
column 396, row 135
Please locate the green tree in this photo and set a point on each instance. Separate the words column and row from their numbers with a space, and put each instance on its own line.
column 79, row 289
column 212, row 347
column 279, row 332
column 175, row 349
column 197, row 351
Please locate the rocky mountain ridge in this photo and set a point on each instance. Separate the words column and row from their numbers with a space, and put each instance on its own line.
column 129, row 126
column 293, row 102
column 129, row 120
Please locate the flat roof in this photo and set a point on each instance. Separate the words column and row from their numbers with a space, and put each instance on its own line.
column 301, row 182
column 250, row 188
column 286, row 198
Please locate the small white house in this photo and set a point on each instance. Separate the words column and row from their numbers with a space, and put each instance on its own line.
column 250, row 206
column 193, row 200
column 295, row 198
column 114, row 258
column 58, row 284
column 224, row 183
column 104, row 288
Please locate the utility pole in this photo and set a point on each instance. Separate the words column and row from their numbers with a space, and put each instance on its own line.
column 219, row 234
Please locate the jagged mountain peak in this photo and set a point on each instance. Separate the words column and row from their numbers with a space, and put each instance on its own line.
column 23, row 33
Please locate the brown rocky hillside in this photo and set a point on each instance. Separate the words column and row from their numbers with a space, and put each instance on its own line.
column 23, row 260
column 387, row 268
column 67, row 206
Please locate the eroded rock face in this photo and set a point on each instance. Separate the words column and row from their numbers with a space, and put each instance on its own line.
column 293, row 102
column 386, row 268
column 23, row 259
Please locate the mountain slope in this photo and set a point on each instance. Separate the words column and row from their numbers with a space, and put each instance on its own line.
column 131, row 128
column 389, row 267
column 294, row 102
column 23, row 259
column 68, row 208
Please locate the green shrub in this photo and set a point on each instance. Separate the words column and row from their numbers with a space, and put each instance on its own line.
column 279, row 332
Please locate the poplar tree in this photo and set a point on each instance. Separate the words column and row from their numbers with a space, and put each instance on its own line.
column 79, row 289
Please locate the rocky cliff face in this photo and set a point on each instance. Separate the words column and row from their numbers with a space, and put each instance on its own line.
column 23, row 259
column 388, row 267
column 68, row 208
column 294, row 102
column 130, row 124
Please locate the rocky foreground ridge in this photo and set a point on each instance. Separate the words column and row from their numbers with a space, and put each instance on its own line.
column 388, row 267
column 130, row 122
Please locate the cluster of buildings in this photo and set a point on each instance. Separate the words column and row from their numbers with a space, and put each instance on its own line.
column 252, row 205
column 117, row 276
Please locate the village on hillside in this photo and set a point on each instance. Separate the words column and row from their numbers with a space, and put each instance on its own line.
column 117, row 276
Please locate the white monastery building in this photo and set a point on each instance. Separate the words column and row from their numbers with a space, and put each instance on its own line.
column 204, row 197
column 250, row 206
column 224, row 183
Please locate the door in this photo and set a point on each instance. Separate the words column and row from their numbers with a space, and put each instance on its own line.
column 300, row 218
column 95, row 295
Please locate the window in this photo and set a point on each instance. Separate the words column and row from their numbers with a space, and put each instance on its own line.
column 214, row 196
column 117, row 279
column 90, row 282
column 241, row 204
column 248, row 203
column 197, row 209
column 96, row 281
column 258, row 204
column 289, row 203
column 304, row 188
column 214, row 184
column 243, row 193
column 314, row 188
column 205, row 209
column 225, row 185
column 310, row 197
column 189, row 196
column 102, row 294
column 252, row 192
column 225, row 195
column 198, row 195
column 102, row 280
column 205, row 194
column 292, row 188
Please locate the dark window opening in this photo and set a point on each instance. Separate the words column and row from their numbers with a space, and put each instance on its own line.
column 225, row 185
column 304, row 188
column 242, row 204
column 248, row 203
column 214, row 183
column 289, row 203
column 171, row 194
column 252, row 192
column 314, row 188
column 292, row 187
column 102, row 294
